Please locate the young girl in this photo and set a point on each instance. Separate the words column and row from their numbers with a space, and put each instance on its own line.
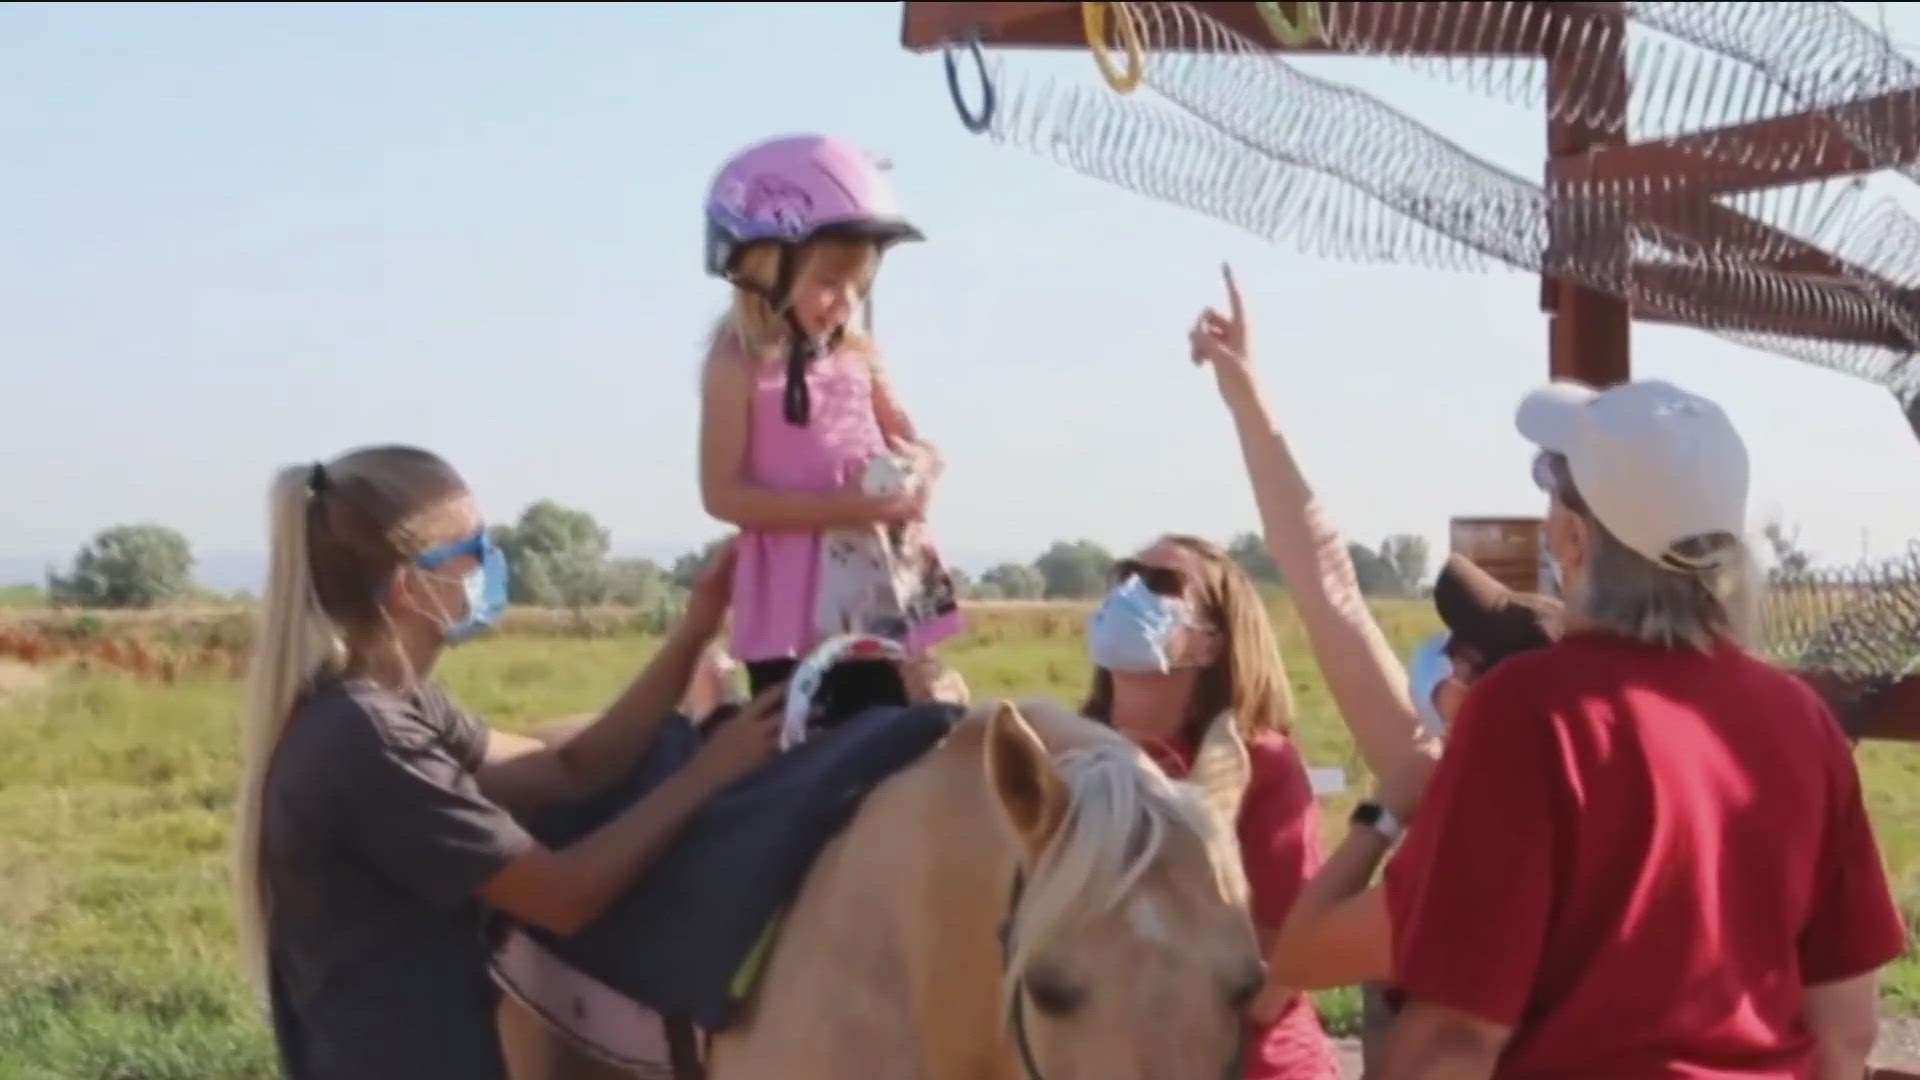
column 799, row 428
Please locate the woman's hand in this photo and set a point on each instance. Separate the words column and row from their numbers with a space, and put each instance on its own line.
column 928, row 680
column 1222, row 341
column 711, row 594
column 744, row 741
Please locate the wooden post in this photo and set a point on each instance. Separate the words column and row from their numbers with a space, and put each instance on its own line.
column 1588, row 332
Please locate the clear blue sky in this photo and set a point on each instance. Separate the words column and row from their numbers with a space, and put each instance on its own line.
column 237, row 236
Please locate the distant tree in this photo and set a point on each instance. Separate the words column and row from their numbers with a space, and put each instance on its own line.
column 1072, row 571
column 557, row 556
column 1406, row 553
column 127, row 566
column 1788, row 556
column 1012, row 581
column 1250, row 551
column 1375, row 574
column 638, row 583
column 686, row 568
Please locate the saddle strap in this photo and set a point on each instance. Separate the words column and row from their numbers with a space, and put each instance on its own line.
column 684, row 1049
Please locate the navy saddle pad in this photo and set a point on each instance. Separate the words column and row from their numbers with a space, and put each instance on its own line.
column 676, row 941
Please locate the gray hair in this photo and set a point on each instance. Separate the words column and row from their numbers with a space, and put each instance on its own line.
column 1628, row 594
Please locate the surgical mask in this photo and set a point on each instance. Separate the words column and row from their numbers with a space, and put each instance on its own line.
column 485, row 586
column 1132, row 629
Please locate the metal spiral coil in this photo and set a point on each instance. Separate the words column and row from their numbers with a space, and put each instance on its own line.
column 1720, row 65
column 1857, row 627
column 1820, row 54
column 1674, row 87
column 1253, row 141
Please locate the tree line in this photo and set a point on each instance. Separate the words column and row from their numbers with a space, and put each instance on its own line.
column 561, row 557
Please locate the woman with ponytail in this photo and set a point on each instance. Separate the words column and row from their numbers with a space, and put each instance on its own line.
column 374, row 818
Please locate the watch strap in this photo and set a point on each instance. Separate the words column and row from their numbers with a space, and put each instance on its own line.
column 1374, row 816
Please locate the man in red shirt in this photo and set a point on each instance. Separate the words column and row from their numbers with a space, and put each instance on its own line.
column 1644, row 852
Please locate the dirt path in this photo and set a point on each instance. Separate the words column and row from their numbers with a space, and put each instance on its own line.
column 1898, row 1048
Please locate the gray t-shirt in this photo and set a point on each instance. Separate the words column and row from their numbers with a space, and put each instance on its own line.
column 375, row 841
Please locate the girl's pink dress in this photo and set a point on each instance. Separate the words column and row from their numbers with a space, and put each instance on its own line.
column 777, row 573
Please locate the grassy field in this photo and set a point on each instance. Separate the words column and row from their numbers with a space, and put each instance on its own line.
column 115, row 789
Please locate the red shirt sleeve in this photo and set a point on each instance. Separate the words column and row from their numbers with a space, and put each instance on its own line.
column 1279, row 830
column 1470, row 893
column 1854, row 926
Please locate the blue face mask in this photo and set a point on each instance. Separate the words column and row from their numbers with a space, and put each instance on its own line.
column 1131, row 630
column 485, row 585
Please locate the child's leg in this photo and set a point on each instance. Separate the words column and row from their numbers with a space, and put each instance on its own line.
column 764, row 673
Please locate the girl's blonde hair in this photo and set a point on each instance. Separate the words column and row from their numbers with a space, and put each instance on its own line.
column 337, row 534
column 752, row 325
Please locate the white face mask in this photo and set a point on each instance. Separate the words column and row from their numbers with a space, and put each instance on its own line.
column 1133, row 630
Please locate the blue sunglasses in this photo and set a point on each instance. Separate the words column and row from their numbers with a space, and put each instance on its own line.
column 480, row 545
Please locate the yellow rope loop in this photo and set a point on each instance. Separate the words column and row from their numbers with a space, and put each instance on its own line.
column 1093, row 16
column 1309, row 29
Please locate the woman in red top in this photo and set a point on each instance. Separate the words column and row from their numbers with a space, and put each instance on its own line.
column 1182, row 639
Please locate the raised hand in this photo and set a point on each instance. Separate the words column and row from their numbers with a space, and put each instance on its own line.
column 1222, row 340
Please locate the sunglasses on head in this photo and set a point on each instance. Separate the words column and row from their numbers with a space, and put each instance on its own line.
column 1159, row 580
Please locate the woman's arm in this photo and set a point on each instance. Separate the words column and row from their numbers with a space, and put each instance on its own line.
column 1338, row 932
column 522, row 773
column 725, row 419
column 1844, row 1019
column 413, row 809
column 564, row 890
column 1367, row 681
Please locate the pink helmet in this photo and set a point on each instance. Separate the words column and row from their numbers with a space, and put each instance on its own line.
column 796, row 188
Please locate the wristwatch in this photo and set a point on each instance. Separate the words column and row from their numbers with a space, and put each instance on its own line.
column 1372, row 815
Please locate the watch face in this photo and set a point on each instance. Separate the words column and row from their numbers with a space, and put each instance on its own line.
column 1367, row 813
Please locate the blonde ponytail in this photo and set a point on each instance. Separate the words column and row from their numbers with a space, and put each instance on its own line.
column 293, row 640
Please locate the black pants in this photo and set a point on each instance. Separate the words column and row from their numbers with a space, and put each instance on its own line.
column 847, row 689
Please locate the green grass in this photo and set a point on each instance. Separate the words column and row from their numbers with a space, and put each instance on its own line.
column 116, row 960
column 22, row 596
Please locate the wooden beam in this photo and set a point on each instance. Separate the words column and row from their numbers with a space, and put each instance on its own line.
column 1429, row 27
column 1816, row 144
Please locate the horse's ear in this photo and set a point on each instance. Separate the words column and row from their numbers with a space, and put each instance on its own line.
column 1222, row 769
column 1024, row 779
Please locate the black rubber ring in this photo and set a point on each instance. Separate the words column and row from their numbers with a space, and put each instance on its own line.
column 974, row 122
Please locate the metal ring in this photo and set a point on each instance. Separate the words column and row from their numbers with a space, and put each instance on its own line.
column 1310, row 27
column 1093, row 19
column 976, row 122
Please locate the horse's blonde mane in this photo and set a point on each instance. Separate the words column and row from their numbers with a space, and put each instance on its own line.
column 1120, row 810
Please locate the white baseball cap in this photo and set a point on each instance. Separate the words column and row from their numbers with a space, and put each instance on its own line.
column 1656, row 464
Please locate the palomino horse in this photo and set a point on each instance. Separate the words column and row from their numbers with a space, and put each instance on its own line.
column 1032, row 900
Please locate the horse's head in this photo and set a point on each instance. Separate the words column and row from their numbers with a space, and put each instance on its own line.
column 1127, row 949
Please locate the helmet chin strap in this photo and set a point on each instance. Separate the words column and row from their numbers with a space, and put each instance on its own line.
column 802, row 348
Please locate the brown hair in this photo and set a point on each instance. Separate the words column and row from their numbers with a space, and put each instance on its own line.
column 1248, row 677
